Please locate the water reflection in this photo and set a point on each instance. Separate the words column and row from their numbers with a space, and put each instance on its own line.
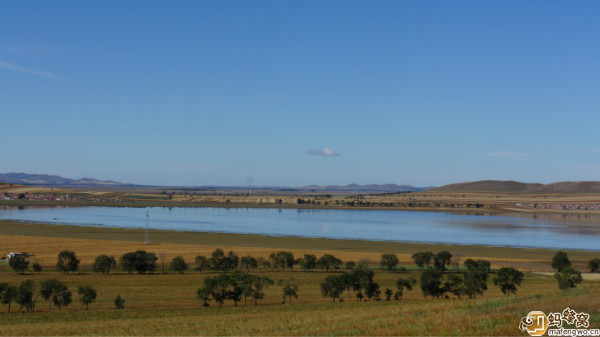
column 524, row 230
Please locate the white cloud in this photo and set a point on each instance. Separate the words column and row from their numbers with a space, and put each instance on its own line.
column 9, row 66
column 323, row 152
column 506, row 155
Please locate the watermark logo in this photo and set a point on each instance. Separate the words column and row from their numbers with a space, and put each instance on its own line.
column 537, row 323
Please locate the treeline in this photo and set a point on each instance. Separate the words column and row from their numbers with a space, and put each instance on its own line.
column 26, row 295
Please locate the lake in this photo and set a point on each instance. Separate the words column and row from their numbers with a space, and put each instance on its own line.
column 400, row 226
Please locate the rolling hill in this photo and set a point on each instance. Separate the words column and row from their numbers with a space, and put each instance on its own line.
column 509, row 186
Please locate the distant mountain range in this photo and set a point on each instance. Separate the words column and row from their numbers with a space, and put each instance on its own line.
column 53, row 180
column 498, row 186
column 385, row 188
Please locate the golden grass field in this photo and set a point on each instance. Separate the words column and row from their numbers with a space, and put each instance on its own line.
column 165, row 304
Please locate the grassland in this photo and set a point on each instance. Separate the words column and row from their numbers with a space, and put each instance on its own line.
column 165, row 304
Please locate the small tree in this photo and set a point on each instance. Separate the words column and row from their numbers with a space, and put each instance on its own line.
column 350, row 265
column 9, row 295
column 568, row 278
column 24, row 296
column 67, row 262
column 329, row 262
column 204, row 296
column 431, row 283
column 389, row 261
column 202, row 263
column 332, row 287
column 560, row 261
column 258, row 286
column 423, row 259
column 388, row 294
column 119, row 302
column 49, row 288
column 443, row 259
column 104, row 263
column 61, row 296
column 179, row 265
column 309, row 262
column 248, row 262
column 594, row 265
column 455, row 284
column 508, row 280
column 475, row 278
column 162, row 256
column 37, row 267
column 87, row 295
column 290, row 288
column 402, row 284
column 19, row 263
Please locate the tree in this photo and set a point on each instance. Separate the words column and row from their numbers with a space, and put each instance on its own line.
column 508, row 280
column 389, row 261
column 594, row 265
column 332, row 287
column 103, row 264
column 67, row 262
column 560, row 261
column 258, row 286
column 290, row 288
column 248, row 262
column 61, row 296
column 485, row 264
column 350, row 265
column 475, row 278
column 422, row 259
column 218, row 260
column 443, row 259
column 329, row 262
column 87, row 295
column 218, row 287
column 232, row 261
column 204, row 295
column 140, row 261
column 24, row 296
column 119, row 302
column 263, row 263
column 19, row 263
column 283, row 260
column 127, row 262
column 402, row 284
column 372, row 291
column 8, row 295
column 431, row 283
column 568, row 278
column 455, row 284
column 361, row 280
column 49, row 288
column 388, row 294
column 309, row 262
column 202, row 263
column 179, row 265
column 37, row 267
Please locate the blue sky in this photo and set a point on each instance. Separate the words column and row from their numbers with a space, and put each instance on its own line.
column 301, row 92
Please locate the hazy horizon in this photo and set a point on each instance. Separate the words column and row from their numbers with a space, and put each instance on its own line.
column 304, row 93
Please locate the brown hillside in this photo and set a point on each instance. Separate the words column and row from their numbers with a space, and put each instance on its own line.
column 498, row 186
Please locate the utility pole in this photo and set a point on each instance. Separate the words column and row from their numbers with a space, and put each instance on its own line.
column 146, row 239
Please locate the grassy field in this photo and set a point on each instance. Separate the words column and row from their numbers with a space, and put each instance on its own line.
column 165, row 304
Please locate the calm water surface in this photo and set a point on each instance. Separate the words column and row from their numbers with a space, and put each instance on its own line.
column 399, row 226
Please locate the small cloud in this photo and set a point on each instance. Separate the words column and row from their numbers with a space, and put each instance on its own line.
column 9, row 66
column 506, row 155
column 323, row 152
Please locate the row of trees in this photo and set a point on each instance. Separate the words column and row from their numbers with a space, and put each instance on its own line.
column 52, row 290
column 238, row 285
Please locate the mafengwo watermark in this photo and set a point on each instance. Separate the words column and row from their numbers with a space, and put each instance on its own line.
column 537, row 323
